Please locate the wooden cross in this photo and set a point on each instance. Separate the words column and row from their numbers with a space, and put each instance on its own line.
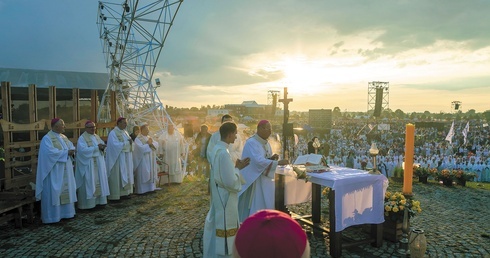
column 285, row 101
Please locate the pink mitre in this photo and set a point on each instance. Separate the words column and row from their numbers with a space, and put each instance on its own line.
column 262, row 122
column 271, row 233
column 120, row 118
column 54, row 121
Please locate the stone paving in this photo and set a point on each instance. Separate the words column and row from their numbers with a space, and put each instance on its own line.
column 456, row 221
column 169, row 223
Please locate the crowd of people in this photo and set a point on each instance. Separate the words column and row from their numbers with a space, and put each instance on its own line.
column 239, row 172
column 240, row 175
column 94, row 171
column 348, row 145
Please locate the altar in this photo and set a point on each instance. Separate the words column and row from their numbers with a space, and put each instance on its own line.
column 356, row 197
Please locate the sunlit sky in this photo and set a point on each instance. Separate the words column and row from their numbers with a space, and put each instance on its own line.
column 325, row 51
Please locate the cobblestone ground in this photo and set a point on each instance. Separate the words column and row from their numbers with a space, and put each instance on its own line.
column 169, row 223
column 456, row 222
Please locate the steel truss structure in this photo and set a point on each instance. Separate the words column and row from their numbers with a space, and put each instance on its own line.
column 372, row 88
column 272, row 97
column 132, row 37
column 456, row 106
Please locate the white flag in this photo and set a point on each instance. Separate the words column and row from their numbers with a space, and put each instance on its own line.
column 466, row 130
column 450, row 135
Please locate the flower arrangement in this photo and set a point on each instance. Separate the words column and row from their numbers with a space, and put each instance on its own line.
column 420, row 171
column 326, row 191
column 445, row 174
column 433, row 172
column 396, row 203
column 460, row 175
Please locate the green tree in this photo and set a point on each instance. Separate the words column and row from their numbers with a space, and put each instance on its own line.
column 413, row 115
column 486, row 115
column 399, row 114
column 471, row 114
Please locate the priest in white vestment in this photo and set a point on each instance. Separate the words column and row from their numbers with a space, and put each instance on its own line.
column 172, row 149
column 145, row 162
column 90, row 171
column 119, row 161
column 258, row 191
column 234, row 148
column 55, row 183
column 222, row 219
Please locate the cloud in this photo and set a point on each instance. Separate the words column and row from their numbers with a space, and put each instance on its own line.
column 228, row 51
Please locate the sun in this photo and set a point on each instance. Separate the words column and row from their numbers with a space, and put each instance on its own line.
column 311, row 76
column 303, row 76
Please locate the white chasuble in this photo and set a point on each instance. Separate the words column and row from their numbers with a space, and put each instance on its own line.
column 222, row 221
column 258, row 191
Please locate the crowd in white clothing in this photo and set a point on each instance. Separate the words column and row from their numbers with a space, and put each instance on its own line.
column 431, row 149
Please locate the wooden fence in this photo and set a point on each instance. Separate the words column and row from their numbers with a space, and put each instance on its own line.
column 21, row 140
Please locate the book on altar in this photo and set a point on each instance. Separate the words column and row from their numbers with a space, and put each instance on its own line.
column 309, row 159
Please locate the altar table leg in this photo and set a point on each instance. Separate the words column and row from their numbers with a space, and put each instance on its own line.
column 335, row 237
column 316, row 205
column 377, row 234
column 279, row 201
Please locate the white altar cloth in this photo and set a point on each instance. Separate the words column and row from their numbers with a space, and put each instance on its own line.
column 359, row 196
column 295, row 190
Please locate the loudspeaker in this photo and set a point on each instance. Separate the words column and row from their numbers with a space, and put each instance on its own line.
column 188, row 131
column 328, row 119
column 287, row 129
column 274, row 104
column 379, row 102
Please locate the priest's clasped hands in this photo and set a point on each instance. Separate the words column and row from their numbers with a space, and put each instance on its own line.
column 240, row 164
column 71, row 152
column 102, row 146
column 150, row 143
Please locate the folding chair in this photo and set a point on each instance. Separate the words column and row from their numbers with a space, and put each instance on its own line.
column 164, row 171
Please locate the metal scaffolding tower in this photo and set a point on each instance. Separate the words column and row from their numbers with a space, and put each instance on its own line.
column 132, row 36
column 385, row 97
column 272, row 96
column 456, row 106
